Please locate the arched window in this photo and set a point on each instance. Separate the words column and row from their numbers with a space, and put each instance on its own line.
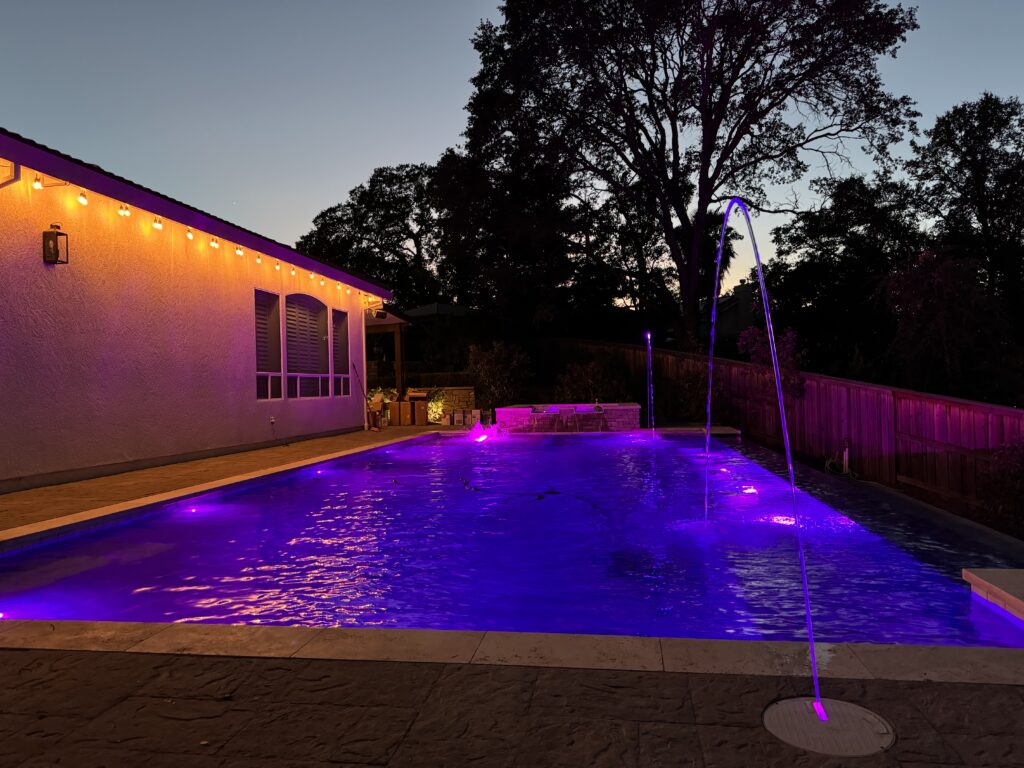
column 306, row 351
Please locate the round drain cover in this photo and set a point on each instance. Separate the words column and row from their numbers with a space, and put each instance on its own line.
column 850, row 731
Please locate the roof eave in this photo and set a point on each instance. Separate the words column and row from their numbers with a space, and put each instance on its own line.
column 47, row 162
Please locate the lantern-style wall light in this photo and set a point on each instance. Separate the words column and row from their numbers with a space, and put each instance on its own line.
column 55, row 245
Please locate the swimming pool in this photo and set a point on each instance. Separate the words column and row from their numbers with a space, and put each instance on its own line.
column 599, row 534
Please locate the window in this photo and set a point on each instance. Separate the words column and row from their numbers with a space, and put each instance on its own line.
column 342, row 366
column 305, row 321
column 268, row 346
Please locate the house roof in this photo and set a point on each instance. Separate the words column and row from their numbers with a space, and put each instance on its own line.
column 77, row 172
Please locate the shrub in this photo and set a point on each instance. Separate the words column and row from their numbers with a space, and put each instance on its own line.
column 435, row 405
column 589, row 382
column 1002, row 492
column 500, row 372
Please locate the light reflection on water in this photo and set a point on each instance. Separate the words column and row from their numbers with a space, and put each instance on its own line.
column 556, row 534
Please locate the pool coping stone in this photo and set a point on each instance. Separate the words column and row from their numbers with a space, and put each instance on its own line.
column 1003, row 587
column 26, row 535
column 867, row 661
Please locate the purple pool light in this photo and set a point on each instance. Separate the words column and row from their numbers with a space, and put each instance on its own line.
column 599, row 534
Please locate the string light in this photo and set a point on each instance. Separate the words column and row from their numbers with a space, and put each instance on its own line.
column 188, row 233
column 277, row 266
column 348, row 291
column 38, row 183
column 310, row 275
column 339, row 286
column 158, row 223
column 259, row 259
column 214, row 243
column 239, row 251
column 120, row 211
column 321, row 281
column 293, row 271
column 127, row 211
column 82, row 199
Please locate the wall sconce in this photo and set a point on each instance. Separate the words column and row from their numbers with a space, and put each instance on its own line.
column 55, row 246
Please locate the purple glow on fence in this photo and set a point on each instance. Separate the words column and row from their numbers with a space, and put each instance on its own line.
column 819, row 708
column 737, row 203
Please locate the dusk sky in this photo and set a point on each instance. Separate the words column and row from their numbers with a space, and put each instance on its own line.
column 265, row 113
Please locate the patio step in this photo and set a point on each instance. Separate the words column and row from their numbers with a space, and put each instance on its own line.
column 1002, row 586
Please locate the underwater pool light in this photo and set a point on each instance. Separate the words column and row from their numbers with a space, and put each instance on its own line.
column 480, row 439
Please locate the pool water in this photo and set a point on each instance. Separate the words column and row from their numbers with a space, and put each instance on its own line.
column 603, row 534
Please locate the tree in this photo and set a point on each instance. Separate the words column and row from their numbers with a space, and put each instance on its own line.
column 828, row 280
column 970, row 180
column 386, row 230
column 698, row 100
column 944, row 341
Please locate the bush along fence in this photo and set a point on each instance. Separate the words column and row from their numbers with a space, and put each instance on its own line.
column 964, row 456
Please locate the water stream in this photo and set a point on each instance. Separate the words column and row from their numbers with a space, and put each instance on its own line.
column 737, row 203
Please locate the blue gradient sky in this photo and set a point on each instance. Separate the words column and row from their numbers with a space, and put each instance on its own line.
column 267, row 112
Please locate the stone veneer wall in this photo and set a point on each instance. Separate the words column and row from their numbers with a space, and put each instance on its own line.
column 459, row 399
column 614, row 417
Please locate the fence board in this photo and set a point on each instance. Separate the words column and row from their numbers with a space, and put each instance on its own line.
column 937, row 446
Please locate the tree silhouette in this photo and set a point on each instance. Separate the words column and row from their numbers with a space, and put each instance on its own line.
column 385, row 230
column 698, row 100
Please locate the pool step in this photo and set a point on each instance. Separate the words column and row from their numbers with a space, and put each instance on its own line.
column 1002, row 586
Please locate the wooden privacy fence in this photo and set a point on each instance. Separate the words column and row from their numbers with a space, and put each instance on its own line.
column 935, row 447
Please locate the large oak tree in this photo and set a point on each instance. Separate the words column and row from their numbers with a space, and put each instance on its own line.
column 699, row 100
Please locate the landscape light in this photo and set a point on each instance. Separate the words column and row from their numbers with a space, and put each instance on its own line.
column 82, row 199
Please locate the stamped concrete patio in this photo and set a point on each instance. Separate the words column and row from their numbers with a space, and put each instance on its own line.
column 111, row 709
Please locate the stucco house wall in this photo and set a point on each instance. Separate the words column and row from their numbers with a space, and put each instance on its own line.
column 142, row 347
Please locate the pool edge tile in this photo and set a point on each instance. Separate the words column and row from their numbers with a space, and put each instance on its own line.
column 531, row 649
column 835, row 660
column 730, row 657
column 227, row 640
column 76, row 635
column 412, row 645
column 11, row 538
column 943, row 663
